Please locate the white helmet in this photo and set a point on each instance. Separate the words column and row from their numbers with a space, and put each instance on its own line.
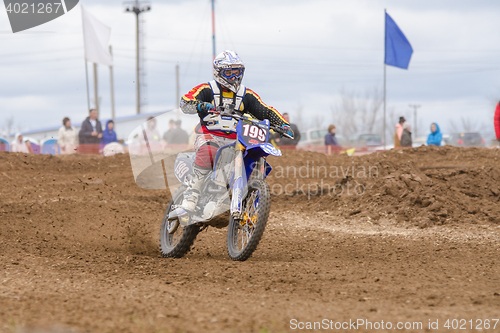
column 228, row 70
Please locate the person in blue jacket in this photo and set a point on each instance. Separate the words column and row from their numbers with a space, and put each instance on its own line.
column 108, row 135
column 330, row 139
column 435, row 138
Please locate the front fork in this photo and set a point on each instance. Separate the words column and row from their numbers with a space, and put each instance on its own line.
column 239, row 183
column 240, row 180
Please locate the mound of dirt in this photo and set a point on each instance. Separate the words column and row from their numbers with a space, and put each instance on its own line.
column 81, row 202
column 424, row 186
column 92, row 198
column 79, row 245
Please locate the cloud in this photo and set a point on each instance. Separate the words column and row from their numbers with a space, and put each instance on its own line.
column 296, row 52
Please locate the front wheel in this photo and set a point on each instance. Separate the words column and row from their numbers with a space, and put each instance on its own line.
column 244, row 235
column 176, row 240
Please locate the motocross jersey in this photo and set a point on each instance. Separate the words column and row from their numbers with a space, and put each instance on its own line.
column 245, row 100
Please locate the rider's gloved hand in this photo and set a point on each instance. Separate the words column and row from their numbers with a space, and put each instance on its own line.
column 205, row 107
column 288, row 130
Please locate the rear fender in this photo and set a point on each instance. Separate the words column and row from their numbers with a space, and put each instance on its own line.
column 184, row 166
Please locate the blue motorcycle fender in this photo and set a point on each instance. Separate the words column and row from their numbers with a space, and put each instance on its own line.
column 255, row 152
column 250, row 163
column 267, row 149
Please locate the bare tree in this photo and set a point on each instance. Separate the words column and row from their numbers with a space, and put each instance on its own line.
column 468, row 125
column 318, row 121
column 298, row 114
column 356, row 114
column 8, row 126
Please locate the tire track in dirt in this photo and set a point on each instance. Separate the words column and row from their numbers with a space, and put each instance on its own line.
column 78, row 249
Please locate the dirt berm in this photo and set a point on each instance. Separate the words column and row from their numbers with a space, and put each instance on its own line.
column 425, row 186
column 400, row 236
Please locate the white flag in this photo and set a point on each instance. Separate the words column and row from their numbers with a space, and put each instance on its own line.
column 96, row 39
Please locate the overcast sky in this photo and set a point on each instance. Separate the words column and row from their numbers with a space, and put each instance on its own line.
column 297, row 54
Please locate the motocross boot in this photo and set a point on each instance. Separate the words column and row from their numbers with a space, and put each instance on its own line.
column 192, row 194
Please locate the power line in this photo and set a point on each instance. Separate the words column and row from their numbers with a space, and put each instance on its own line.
column 37, row 53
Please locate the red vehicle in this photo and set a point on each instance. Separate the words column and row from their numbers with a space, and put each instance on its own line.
column 471, row 139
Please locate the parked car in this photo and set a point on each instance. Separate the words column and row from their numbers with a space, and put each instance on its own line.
column 446, row 140
column 316, row 137
column 470, row 139
column 369, row 140
column 419, row 142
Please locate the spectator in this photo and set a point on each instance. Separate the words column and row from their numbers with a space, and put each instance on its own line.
column 134, row 146
column 330, row 139
column 290, row 143
column 180, row 136
column 435, row 138
column 67, row 137
column 406, row 135
column 192, row 137
column 19, row 146
column 109, row 134
column 331, row 142
column 30, row 147
column 399, row 132
column 90, row 134
column 496, row 122
column 168, row 135
column 151, row 136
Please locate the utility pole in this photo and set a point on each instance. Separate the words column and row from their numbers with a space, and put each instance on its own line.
column 112, row 87
column 137, row 7
column 96, row 89
column 415, row 107
column 213, row 29
column 87, row 82
column 177, row 90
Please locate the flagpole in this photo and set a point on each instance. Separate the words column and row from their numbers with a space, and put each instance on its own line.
column 85, row 60
column 385, row 76
column 385, row 66
column 87, row 80
column 112, row 87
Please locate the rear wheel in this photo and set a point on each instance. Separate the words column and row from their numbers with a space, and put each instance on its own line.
column 244, row 235
column 177, row 243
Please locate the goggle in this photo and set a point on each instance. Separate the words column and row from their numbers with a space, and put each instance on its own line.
column 232, row 73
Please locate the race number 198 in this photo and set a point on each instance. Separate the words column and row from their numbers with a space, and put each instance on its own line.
column 39, row 8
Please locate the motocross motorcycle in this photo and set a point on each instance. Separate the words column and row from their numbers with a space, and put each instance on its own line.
column 236, row 183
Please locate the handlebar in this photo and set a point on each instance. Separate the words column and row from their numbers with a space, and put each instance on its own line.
column 229, row 111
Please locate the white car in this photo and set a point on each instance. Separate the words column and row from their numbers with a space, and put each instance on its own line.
column 316, row 137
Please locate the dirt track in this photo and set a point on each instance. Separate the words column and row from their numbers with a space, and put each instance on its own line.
column 78, row 247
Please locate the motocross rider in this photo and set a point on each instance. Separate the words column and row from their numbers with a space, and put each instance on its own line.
column 215, row 131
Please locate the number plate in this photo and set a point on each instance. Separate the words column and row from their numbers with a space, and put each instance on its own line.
column 253, row 134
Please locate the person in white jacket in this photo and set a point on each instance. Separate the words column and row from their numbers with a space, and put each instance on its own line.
column 68, row 137
column 19, row 145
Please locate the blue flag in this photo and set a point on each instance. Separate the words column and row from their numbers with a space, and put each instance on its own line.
column 398, row 50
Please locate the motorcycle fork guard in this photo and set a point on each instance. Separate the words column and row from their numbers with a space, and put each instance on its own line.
column 238, row 184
